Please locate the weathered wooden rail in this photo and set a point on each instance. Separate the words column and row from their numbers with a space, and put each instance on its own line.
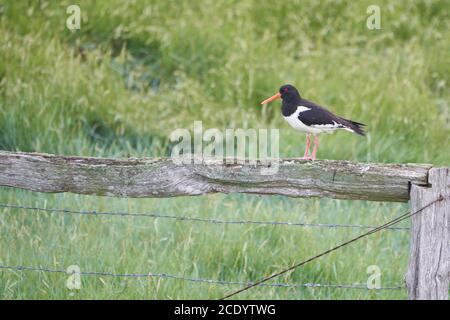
column 428, row 275
column 163, row 178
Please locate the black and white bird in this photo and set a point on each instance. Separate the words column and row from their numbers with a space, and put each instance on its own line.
column 306, row 116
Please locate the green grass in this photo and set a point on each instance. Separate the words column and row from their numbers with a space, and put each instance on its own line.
column 136, row 71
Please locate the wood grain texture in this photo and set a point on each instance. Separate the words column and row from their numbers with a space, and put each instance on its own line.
column 161, row 177
column 428, row 275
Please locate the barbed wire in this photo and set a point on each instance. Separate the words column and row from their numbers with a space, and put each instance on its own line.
column 384, row 226
column 247, row 285
column 200, row 280
column 196, row 219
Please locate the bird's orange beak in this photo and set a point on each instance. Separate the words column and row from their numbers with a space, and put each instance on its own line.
column 274, row 97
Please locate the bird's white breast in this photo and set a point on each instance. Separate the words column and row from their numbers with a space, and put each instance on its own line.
column 295, row 122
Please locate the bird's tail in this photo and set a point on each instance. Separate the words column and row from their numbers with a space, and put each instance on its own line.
column 356, row 127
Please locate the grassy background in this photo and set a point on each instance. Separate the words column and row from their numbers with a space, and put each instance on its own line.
column 137, row 70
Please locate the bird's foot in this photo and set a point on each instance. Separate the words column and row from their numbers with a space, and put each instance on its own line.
column 307, row 158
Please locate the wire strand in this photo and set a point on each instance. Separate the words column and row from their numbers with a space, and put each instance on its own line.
column 201, row 280
column 195, row 219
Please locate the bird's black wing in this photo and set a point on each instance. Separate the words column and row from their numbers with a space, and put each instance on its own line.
column 319, row 116
column 316, row 115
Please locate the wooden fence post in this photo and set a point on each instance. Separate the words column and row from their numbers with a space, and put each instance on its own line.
column 428, row 275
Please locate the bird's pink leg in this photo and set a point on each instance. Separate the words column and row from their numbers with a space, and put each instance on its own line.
column 308, row 143
column 316, row 144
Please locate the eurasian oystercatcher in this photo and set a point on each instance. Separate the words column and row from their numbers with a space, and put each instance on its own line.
column 306, row 116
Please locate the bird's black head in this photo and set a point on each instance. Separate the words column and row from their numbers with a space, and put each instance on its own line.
column 287, row 92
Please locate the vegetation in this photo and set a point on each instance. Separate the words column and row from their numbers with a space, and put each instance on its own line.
column 137, row 70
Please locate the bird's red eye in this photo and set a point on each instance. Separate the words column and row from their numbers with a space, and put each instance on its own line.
column 286, row 90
